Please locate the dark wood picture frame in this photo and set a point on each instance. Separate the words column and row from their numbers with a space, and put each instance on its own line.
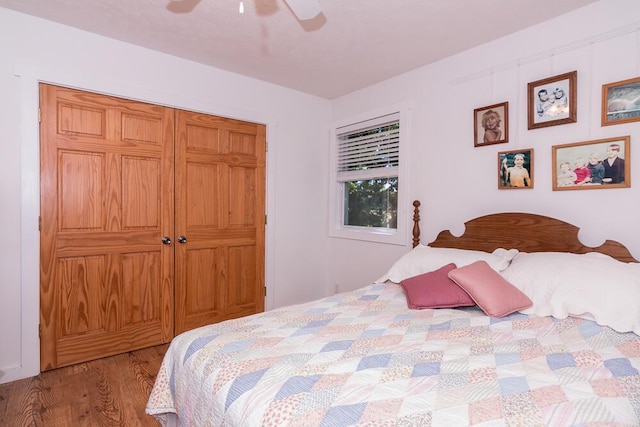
column 510, row 173
column 621, row 102
column 570, row 160
column 553, row 101
column 491, row 125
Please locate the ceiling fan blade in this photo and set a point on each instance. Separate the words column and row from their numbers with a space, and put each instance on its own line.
column 304, row 9
column 182, row 6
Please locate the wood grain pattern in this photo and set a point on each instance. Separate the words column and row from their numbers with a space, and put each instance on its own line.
column 106, row 279
column 108, row 197
column 220, row 210
column 526, row 232
column 112, row 391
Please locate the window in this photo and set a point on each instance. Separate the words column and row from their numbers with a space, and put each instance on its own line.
column 366, row 180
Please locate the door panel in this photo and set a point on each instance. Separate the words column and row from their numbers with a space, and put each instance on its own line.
column 201, row 204
column 239, row 258
column 141, row 193
column 142, row 288
column 106, row 201
column 82, row 207
column 220, row 211
column 82, row 295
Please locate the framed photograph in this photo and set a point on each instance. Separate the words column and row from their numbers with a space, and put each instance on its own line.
column 597, row 164
column 621, row 102
column 553, row 101
column 515, row 169
column 491, row 125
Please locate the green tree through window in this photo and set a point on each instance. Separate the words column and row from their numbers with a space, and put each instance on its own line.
column 372, row 203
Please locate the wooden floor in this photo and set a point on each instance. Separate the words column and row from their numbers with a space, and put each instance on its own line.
column 107, row 392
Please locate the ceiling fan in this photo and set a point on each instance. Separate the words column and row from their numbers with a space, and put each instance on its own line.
column 303, row 9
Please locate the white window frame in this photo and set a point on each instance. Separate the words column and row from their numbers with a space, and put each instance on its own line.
column 337, row 229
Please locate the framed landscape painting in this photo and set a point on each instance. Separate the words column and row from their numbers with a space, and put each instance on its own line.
column 621, row 102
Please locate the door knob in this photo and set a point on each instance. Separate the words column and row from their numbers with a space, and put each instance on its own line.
column 182, row 239
column 166, row 240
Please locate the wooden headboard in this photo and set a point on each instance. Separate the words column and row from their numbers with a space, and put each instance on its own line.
column 523, row 231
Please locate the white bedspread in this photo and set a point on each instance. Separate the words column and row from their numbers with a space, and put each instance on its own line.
column 362, row 358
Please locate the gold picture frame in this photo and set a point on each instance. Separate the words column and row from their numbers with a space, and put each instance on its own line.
column 621, row 102
column 590, row 165
column 515, row 169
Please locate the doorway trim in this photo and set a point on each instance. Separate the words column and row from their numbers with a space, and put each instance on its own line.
column 30, row 77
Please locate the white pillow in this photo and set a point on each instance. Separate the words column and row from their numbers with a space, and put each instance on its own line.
column 592, row 286
column 423, row 259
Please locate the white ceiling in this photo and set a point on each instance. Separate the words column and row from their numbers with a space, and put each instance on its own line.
column 351, row 45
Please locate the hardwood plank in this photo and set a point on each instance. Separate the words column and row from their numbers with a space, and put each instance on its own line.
column 112, row 391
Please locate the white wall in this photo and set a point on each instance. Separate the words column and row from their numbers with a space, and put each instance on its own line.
column 35, row 50
column 456, row 181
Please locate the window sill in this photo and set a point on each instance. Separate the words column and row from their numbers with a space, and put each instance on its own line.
column 393, row 237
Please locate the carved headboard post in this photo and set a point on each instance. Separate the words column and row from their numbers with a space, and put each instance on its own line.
column 416, row 223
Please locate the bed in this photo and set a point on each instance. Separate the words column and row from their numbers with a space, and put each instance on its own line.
column 513, row 323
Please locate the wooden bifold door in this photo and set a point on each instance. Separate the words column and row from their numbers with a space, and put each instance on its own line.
column 151, row 223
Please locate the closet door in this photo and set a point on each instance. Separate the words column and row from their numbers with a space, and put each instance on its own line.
column 106, row 204
column 220, row 219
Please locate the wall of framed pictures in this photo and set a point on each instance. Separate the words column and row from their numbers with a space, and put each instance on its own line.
column 473, row 111
column 552, row 101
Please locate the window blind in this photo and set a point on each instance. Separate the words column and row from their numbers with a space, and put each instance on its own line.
column 369, row 149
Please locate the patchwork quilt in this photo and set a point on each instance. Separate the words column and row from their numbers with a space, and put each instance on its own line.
column 363, row 358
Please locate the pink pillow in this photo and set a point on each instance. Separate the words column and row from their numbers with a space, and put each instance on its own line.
column 493, row 294
column 435, row 290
